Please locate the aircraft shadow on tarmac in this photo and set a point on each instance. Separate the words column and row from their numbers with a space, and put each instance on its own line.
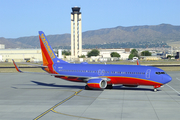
column 121, row 87
column 60, row 86
column 83, row 87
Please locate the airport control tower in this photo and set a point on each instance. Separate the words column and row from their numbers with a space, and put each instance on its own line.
column 76, row 32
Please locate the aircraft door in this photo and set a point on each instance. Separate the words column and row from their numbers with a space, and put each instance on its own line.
column 148, row 73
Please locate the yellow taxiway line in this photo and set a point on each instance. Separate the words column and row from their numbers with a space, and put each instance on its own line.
column 52, row 108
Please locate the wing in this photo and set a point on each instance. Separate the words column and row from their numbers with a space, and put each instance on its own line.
column 167, row 65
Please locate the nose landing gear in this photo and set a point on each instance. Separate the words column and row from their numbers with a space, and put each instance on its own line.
column 155, row 87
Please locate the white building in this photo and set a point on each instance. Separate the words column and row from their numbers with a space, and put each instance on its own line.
column 60, row 54
column 2, row 46
column 34, row 55
column 20, row 55
column 106, row 53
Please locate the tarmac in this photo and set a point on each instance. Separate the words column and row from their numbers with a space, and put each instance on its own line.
column 43, row 97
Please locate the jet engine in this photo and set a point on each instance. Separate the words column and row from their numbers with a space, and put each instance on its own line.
column 97, row 83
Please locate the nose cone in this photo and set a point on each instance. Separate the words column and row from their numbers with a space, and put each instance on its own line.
column 167, row 79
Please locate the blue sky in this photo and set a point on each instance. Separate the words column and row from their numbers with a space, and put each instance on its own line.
column 20, row 18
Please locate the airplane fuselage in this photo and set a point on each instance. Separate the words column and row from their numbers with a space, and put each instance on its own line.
column 115, row 74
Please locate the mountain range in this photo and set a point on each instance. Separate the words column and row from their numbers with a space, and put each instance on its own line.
column 152, row 33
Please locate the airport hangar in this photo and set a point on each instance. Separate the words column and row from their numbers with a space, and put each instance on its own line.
column 20, row 55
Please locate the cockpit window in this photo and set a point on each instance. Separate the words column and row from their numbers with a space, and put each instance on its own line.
column 160, row 73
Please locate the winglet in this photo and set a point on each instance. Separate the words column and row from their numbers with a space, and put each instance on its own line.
column 138, row 63
column 17, row 68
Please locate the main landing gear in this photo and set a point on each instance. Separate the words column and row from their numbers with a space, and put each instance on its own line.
column 109, row 87
column 155, row 88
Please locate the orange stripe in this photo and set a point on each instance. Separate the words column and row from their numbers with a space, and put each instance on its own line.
column 131, row 81
column 46, row 58
column 45, row 62
column 16, row 66
column 93, row 85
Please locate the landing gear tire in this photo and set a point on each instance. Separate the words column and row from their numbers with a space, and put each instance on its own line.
column 155, row 90
column 155, row 87
column 109, row 87
column 87, row 87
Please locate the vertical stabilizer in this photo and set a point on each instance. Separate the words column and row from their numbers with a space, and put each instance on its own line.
column 48, row 55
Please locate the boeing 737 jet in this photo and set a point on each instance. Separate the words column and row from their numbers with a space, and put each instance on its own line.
column 99, row 76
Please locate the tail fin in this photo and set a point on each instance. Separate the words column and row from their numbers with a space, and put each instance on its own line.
column 48, row 55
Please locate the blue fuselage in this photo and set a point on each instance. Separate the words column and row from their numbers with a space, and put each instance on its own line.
column 119, row 72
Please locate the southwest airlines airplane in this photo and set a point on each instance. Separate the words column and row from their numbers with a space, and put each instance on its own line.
column 99, row 76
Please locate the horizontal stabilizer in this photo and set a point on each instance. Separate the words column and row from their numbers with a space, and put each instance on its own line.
column 35, row 65
column 17, row 68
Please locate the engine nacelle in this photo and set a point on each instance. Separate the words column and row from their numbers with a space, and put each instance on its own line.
column 97, row 83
